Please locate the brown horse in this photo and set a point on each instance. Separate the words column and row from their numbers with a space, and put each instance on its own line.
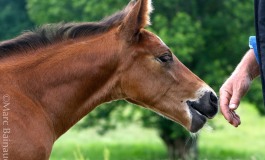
column 54, row 76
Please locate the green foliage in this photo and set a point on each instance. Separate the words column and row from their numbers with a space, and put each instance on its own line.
column 53, row 11
column 108, row 115
column 254, row 94
column 13, row 18
column 178, row 33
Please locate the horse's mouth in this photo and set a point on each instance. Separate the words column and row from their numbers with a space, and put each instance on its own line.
column 198, row 120
column 205, row 108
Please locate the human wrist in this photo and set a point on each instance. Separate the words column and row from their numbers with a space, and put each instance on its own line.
column 248, row 66
column 243, row 72
column 253, row 68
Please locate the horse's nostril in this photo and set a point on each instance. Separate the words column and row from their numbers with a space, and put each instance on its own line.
column 213, row 98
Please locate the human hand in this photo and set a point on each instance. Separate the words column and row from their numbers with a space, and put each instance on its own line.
column 231, row 93
column 236, row 86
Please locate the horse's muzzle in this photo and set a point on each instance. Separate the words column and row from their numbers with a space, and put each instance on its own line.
column 205, row 107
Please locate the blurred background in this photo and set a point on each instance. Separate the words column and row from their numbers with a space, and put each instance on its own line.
column 208, row 36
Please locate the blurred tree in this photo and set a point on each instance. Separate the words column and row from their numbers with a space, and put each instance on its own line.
column 13, row 18
column 53, row 11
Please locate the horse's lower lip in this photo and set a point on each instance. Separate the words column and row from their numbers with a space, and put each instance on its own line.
column 198, row 120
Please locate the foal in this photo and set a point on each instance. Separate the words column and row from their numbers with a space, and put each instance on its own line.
column 54, row 76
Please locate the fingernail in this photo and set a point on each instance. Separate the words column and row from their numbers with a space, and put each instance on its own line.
column 232, row 106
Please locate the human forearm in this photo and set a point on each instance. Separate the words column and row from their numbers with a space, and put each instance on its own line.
column 236, row 86
column 248, row 66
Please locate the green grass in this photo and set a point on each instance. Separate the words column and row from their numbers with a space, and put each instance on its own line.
column 219, row 142
column 132, row 143
column 247, row 142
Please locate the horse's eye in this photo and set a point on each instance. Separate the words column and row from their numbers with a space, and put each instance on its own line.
column 167, row 57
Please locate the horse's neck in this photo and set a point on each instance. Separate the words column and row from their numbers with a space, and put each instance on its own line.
column 72, row 81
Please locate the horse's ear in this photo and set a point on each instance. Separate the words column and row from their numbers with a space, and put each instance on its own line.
column 137, row 18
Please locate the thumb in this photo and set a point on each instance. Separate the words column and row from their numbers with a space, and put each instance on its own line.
column 235, row 100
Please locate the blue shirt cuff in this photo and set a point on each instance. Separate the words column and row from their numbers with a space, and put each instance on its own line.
column 253, row 45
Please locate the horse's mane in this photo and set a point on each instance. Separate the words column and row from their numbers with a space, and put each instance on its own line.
column 53, row 33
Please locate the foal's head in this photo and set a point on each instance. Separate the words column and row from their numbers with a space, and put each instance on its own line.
column 154, row 78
